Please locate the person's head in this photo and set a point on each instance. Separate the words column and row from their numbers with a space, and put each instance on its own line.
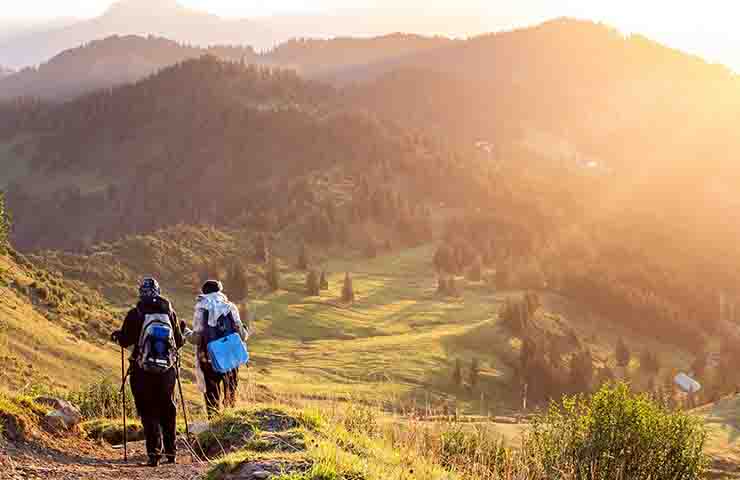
column 212, row 286
column 149, row 288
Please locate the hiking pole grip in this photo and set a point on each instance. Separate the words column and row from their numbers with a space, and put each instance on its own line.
column 123, row 394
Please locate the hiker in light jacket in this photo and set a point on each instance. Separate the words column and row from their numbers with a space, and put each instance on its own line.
column 209, row 307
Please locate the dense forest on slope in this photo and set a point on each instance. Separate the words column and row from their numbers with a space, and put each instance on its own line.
column 204, row 141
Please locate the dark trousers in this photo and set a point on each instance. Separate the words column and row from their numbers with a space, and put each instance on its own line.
column 155, row 402
column 219, row 386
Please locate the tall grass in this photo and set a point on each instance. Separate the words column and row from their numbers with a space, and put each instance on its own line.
column 103, row 399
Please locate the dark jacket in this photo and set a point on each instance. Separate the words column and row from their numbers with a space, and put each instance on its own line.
column 134, row 322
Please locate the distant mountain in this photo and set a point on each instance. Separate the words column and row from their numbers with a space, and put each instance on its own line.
column 107, row 63
column 163, row 18
column 328, row 58
column 118, row 60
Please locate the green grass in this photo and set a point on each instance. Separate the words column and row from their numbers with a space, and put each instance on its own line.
column 396, row 343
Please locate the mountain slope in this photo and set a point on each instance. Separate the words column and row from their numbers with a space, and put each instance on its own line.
column 163, row 18
column 107, row 63
column 203, row 141
column 117, row 60
column 52, row 332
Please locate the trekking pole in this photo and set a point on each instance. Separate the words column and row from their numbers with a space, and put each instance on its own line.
column 123, row 394
column 182, row 399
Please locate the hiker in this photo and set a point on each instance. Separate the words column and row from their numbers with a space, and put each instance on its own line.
column 152, row 329
column 215, row 317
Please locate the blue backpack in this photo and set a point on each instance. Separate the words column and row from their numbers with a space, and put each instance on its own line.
column 157, row 352
column 224, row 345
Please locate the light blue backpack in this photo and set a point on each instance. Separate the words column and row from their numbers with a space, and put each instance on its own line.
column 226, row 351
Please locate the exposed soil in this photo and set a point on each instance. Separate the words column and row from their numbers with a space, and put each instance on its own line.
column 74, row 459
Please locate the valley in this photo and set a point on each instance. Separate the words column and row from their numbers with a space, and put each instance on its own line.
column 482, row 258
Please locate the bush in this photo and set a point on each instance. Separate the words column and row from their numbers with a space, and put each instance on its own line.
column 616, row 434
column 474, row 453
column 103, row 400
column 4, row 224
column 360, row 419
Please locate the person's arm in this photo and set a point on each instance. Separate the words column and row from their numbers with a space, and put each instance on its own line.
column 198, row 323
column 179, row 341
column 243, row 331
column 131, row 329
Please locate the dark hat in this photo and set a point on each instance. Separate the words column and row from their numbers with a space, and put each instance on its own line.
column 212, row 286
column 149, row 288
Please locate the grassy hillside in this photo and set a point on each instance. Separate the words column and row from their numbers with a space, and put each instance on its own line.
column 396, row 345
column 51, row 331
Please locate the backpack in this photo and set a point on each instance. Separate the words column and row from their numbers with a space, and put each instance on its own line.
column 223, row 345
column 157, row 351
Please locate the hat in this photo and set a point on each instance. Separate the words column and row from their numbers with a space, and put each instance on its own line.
column 212, row 286
column 149, row 288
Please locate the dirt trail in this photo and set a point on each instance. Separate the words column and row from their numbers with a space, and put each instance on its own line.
column 73, row 459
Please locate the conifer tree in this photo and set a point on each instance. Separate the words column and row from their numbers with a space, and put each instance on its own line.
column 303, row 258
column 237, row 282
column 313, row 288
column 475, row 274
column 262, row 253
column 348, row 291
column 622, row 353
column 474, row 373
column 273, row 275
column 457, row 373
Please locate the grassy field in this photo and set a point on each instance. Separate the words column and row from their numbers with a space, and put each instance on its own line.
column 396, row 345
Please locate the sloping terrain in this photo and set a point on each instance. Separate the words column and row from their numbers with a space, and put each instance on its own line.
column 106, row 63
column 52, row 332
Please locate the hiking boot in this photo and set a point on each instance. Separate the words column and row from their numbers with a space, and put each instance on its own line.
column 171, row 460
column 153, row 462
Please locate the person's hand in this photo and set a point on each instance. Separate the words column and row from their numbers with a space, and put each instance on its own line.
column 116, row 336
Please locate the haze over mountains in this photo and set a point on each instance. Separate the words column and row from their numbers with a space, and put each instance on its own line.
column 118, row 60
column 164, row 18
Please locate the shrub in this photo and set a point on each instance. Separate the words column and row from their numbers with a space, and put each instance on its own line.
column 360, row 419
column 103, row 399
column 475, row 453
column 5, row 222
column 616, row 434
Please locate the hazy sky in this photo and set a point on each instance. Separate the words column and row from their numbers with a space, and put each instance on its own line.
column 705, row 27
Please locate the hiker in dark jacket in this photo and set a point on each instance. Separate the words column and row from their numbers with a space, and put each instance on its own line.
column 154, row 391
column 216, row 387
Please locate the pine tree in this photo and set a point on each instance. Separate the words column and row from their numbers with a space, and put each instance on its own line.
column 237, row 282
column 474, row 373
column 273, row 275
column 303, row 258
column 452, row 287
column 441, row 285
column 313, row 288
column 457, row 373
column 262, row 253
column 348, row 291
column 581, row 371
column 324, row 283
column 622, row 353
column 475, row 274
